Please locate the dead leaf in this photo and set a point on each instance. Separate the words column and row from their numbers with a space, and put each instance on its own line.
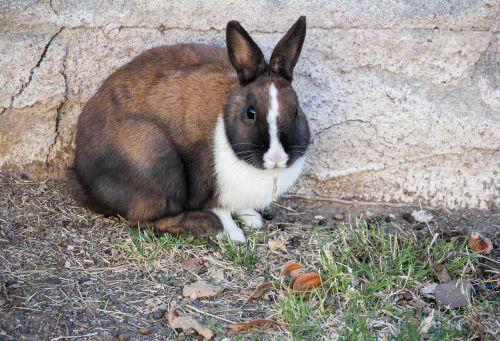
column 241, row 327
column 278, row 243
column 480, row 244
column 300, row 280
column 426, row 323
column 442, row 274
column 306, row 281
column 289, row 267
column 417, row 303
column 259, row 291
column 201, row 289
column 187, row 323
column 217, row 275
column 454, row 294
column 192, row 261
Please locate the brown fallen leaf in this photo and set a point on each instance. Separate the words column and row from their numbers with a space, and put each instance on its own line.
column 289, row 267
column 442, row 274
column 187, row 323
column 306, row 281
column 241, row 327
column 480, row 244
column 454, row 294
column 201, row 289
column 192, row 261
column 300, row 279
column 277, row 243
column 259, row 291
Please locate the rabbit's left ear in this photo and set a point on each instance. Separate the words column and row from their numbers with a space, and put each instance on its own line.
column 286, row 53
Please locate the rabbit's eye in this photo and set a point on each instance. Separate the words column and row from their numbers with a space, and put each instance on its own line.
column 251, row 113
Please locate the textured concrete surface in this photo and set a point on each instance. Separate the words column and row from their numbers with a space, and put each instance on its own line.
column 403, row 97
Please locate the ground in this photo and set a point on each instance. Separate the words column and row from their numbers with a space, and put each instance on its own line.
column 66, row 273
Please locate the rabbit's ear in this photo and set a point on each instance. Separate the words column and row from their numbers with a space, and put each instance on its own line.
column 286, row 53
column 244, row 54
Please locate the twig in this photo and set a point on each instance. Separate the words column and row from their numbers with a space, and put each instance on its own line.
column 72, row 336
column 212, row 315
column 352, row 202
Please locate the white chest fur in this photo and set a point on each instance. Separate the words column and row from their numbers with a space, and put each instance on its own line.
column 241, row 186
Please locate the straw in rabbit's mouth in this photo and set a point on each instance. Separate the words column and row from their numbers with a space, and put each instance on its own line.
column 275, row 184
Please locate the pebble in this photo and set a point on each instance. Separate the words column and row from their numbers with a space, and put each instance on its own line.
column 158, row 314
column 122, row 337
column 267, row 216
column 408, row 217
column 10, row 282
column 389, row 218
column 338, row 216
column 160, row 311
column 144, row 331
column 294, row 242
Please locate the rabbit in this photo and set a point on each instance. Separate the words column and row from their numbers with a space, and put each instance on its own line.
column 185, row 136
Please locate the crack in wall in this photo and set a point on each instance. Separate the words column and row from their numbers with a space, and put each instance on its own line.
column 321, row 131
column 59, row 110
column 32, row 71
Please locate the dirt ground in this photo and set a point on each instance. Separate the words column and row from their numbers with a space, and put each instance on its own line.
column 66, row 273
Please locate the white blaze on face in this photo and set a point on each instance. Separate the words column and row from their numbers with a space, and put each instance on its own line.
column 276, row 155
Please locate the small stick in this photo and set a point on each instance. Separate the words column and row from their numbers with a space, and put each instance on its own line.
column 211, row 315
column 275, row 183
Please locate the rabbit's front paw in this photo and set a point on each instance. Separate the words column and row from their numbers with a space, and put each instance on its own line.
column 231, row 230
column 250, row 218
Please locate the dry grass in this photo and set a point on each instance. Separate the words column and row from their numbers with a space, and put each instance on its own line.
column 65, row 272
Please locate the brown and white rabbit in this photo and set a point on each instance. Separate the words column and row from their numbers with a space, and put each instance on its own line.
column 184, row 136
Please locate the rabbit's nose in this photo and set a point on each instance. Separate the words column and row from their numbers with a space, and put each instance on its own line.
column 275, row 158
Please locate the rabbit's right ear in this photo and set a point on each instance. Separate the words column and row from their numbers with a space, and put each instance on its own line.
column 244, row 54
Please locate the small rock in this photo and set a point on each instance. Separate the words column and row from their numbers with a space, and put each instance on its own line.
column 338, row 216
column 122, row 337
column 389, row 218
column 160, row 311
column 422, row 216
column 158, row 314
column 408, row 217
column 144, row 331
column 10, row 282
column 420, row 226
column 319, row 217
column 83, row 279
column 294, row 242
column 267, row 215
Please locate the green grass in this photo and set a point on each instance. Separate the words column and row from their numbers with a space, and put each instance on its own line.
column 242, row 255
column 303, row 316
column 368, row 268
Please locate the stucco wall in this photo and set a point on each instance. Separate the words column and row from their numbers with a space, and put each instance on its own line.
column 403, row 97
